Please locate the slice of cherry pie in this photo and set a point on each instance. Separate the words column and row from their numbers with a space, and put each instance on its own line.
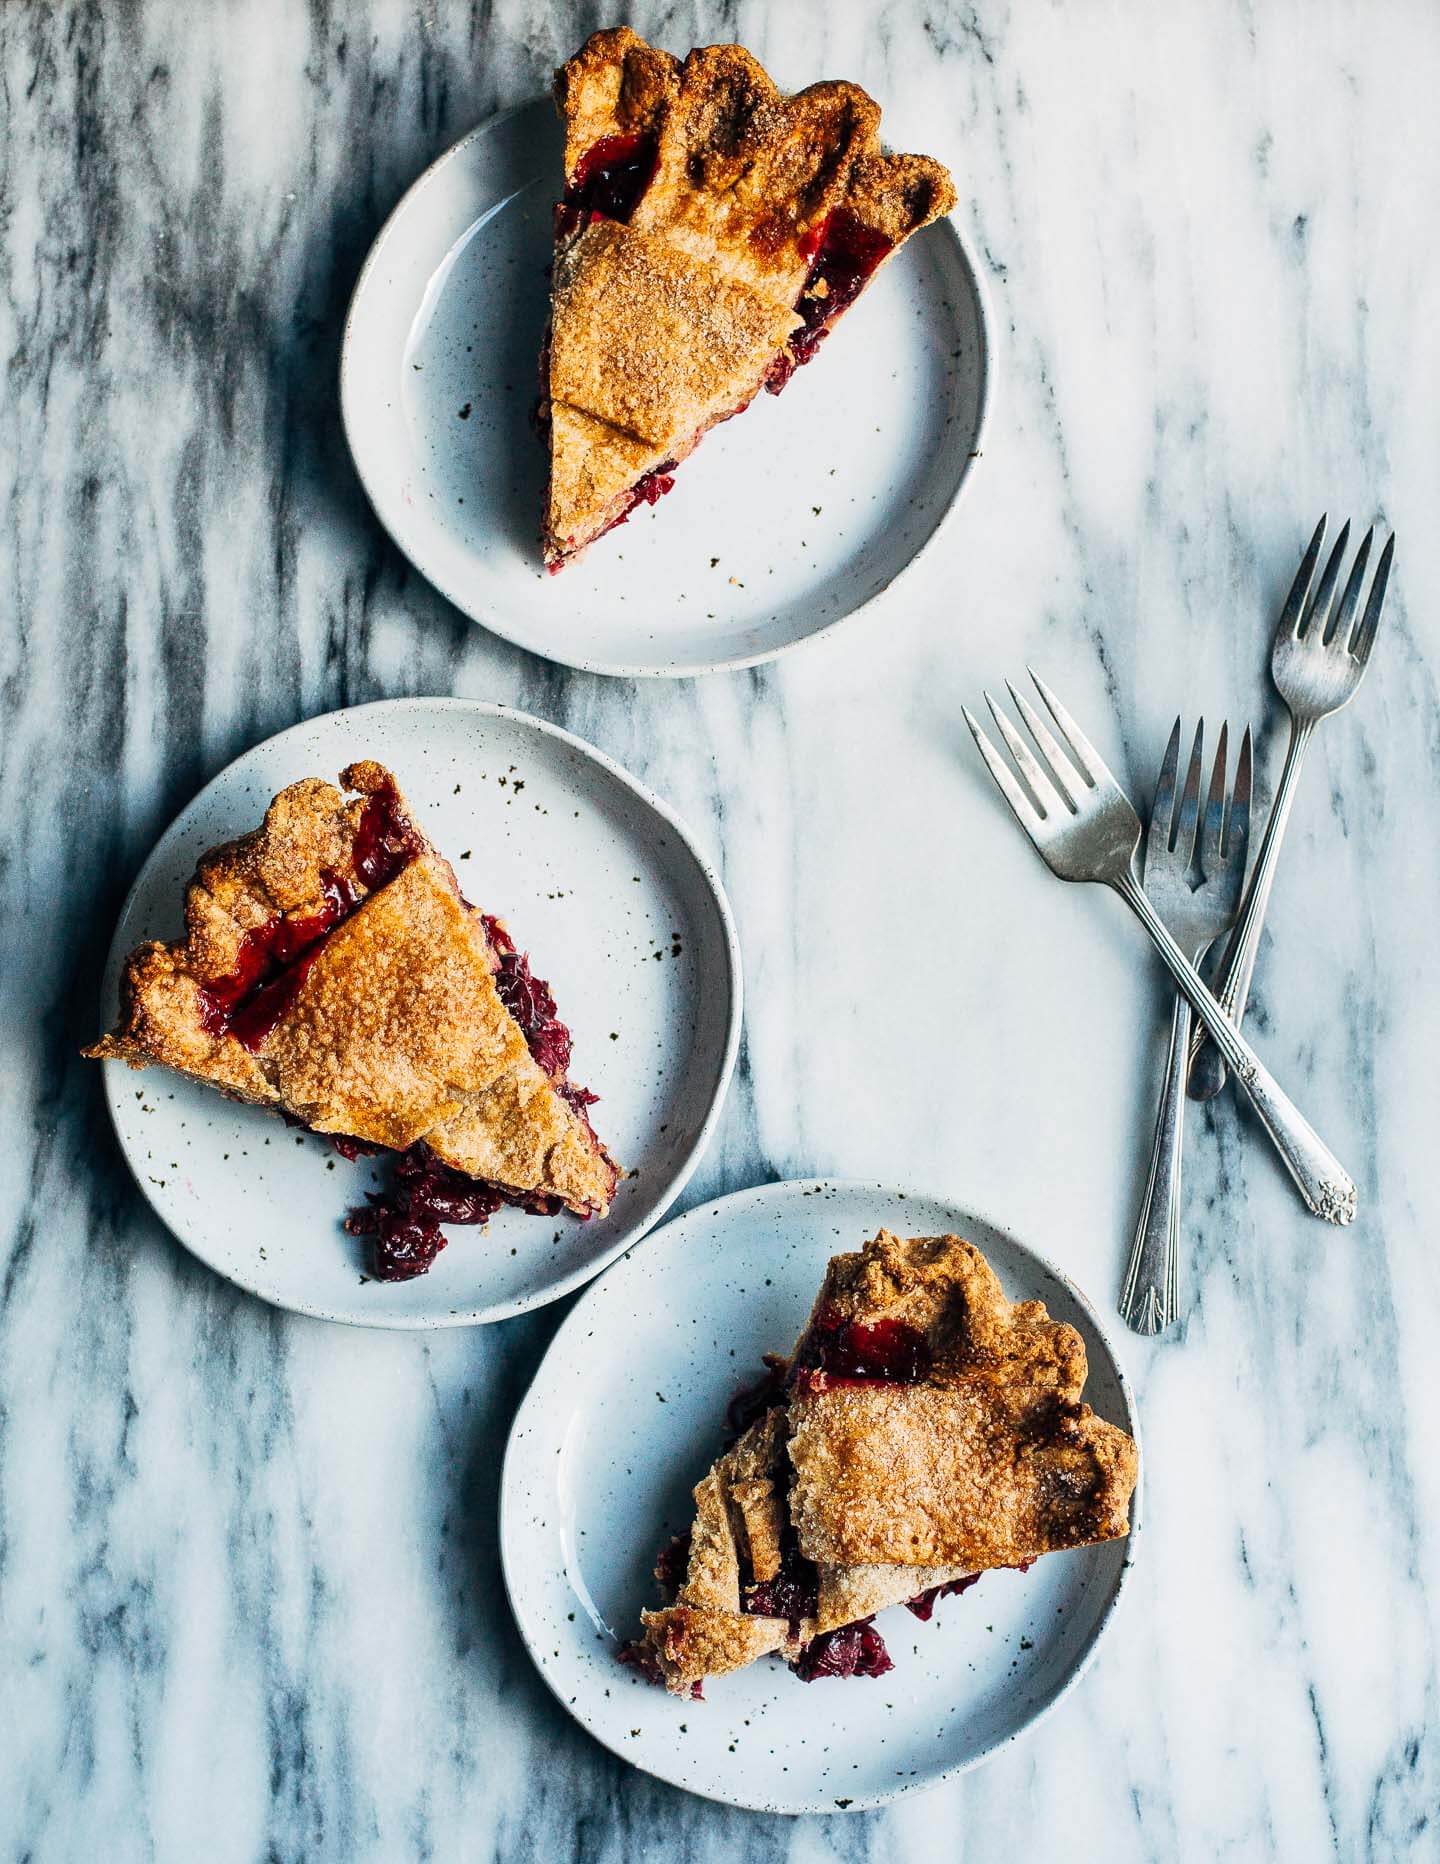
column 925, row 1430
column 711, row 232
column 333, row 972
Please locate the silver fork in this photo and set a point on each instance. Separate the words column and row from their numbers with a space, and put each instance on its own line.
column 1317, row 664
column 1085, row 828
column 1195, row 918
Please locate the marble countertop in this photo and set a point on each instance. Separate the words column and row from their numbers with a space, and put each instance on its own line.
column 249, row 1598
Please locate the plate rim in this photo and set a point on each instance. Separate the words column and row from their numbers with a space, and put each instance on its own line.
column 116, row 1074
column 616, row 669
column 781, row 1190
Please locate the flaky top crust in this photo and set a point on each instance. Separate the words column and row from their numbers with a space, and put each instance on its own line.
column 397, row 1033
column 987, row 1460
column 669, row 322
column 615, row 85
column 990, row 1459
column 651, row 341
column 745, row 176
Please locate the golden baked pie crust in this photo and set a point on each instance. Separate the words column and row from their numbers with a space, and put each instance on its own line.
column 670, row 321
column 397, row 1033
column 987, row 1459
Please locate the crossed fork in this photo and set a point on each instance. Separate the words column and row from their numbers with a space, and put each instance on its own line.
column 1085, row 828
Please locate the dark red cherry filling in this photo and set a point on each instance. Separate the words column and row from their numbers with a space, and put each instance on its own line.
column 272, row 963
column 578, row 1098
column 753, row 1401
column 859, row 1650
column 405, row 1244
column 923, row 1604
column 348, row 1148
column 404, row 1221
column 794, row 1592
column 607, row 183
column 853, row 1650
column 275, row 959
column 853, row 1352
column 673, row 1564
column 529, row 1001
column 386, row 839
column 648, row 489
column 846, row 252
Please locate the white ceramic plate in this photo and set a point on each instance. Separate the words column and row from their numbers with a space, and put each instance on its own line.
column 625, row 1415
column 595, row 877
column 782, row 523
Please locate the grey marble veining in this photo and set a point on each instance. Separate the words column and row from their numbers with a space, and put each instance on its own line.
column 249, row 1598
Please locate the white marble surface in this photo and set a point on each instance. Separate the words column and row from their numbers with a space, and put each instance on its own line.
column 249, row 1600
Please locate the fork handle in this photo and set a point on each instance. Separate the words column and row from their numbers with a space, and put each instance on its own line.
column 1323, row 1182
column 1232, row 981
column 1150, row 1294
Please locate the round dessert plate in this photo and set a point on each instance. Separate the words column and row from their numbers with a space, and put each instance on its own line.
column 625, row 1415
column 597, row 879
column 782, row 523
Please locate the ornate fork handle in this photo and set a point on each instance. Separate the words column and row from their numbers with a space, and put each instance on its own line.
column 1232, row 983
column 1322, row 1181
column 1150, row 1294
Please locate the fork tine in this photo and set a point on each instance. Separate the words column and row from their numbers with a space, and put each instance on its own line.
column 1295, row 602
column 1189, row 813
column 1057, row 763
column 1037, row 780
column 1025, row 811
column 1314, row 627
column 1364, row 638
column 1088, row 758
column 1337, row 634
column 1237, row 833
column 1213, row 822
column 1162, row 809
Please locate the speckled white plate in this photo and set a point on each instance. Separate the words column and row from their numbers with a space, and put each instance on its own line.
column 626, row 1414
column 783, row 522
column 604, row 887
